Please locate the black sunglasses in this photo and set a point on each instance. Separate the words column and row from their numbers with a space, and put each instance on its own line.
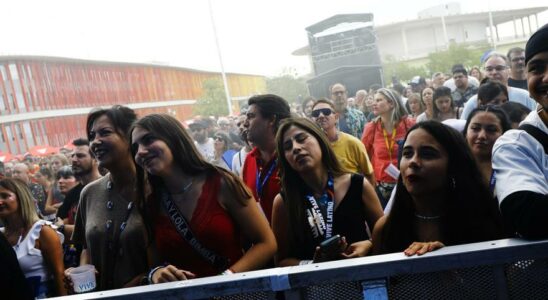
column 324, row 111
column 219, row 138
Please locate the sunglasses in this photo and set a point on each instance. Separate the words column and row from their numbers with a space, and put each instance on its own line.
column 218, row 138
column 338, row 93
column 194, row 129
column 324, row 111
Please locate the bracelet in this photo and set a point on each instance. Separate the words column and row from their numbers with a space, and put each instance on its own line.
column 227, row 272
column 305, row 262
column 149, row 277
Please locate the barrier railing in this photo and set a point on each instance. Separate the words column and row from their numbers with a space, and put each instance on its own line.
column 502, row 269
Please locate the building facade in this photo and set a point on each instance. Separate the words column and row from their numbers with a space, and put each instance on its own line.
column 45, row 100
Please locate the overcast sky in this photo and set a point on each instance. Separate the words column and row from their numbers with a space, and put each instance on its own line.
column 255, row 36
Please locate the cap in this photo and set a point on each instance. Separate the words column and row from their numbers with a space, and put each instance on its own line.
column 537, row 43
column 417, row 80
column 198, row 124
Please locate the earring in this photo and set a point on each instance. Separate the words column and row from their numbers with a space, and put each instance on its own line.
column 453, row 183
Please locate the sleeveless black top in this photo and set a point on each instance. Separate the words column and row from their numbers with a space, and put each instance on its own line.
column 348, row 220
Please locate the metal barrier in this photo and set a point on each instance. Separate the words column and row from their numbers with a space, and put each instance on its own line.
column 502, row 269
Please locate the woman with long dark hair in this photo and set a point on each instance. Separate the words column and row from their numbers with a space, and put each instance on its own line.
column 108, row 226
column 444, row 106
column 318, row 200
column 483, row 127
column 440, row 199
column 197, row 214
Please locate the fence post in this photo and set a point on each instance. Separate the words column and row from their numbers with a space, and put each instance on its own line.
column 374, row 289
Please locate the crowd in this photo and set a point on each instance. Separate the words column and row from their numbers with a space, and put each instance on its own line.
column 447, row 161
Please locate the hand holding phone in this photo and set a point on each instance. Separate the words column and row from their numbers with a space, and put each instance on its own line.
column 330, row 249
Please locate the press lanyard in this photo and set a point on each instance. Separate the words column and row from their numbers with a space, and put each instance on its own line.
column 260, row 184
column 389, row 145
column 320, row 226
column 492, row 182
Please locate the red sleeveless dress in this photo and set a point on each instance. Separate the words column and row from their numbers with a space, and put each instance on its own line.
column 211, row 225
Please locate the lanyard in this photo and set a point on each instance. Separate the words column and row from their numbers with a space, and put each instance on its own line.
column 319, row 225
column 389, row 145
column 260, row 184
column 492, row 182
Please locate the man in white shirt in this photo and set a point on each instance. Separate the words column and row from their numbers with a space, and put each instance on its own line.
column 204, row 143
column 520, row 157
column 496, row 68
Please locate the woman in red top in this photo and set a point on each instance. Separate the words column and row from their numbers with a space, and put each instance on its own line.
column 197, row 214
column 380, row 136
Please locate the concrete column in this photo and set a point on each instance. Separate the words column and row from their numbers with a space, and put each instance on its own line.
column 529, row 22
column 536, row 22
column 522, row 28
column 497, row 33
column 515, row 27
column 404, row 39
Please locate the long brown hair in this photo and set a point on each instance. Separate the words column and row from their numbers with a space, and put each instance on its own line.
column 293, row 186
column 472, row 214
column 185, row 155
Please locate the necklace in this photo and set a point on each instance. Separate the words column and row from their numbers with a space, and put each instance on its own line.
column 185, row 188
column 428, row 218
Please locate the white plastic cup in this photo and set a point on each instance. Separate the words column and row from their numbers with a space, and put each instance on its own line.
column 83, row 278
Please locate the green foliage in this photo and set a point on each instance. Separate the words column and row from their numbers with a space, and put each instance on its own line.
column 442, row 61
column 403, row 71
column 213, row 99
column 287, row 86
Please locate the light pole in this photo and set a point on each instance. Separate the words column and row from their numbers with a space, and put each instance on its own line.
column 225, row 82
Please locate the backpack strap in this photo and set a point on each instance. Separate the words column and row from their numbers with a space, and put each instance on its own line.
column 538, row 134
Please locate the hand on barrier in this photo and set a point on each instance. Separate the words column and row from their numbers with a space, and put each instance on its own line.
column 69, row 285
column 171, row 273
column 358, row 249
column 421, row 248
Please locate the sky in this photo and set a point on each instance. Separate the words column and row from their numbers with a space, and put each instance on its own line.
column 255, row 36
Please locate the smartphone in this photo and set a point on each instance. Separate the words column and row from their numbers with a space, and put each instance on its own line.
column 331, row 244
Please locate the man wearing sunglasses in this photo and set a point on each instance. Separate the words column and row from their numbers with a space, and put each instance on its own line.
column 349, row 150
column 351, row 120
column 496, row 68
column 518, row 76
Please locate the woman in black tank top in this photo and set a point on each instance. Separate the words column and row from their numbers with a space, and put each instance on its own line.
column 319, row 200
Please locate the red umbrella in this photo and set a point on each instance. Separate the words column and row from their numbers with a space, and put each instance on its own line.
column 5, row 156
column 68, row 146
column 43, row 150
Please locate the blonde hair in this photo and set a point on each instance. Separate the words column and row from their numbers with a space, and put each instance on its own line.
column 392, row 96
column 27, row 207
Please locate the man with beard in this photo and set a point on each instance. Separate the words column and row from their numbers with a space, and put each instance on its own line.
column 349, row 150
column 496, row 68
column 463, row 90
column 351, row 120
column 520, row 157
column 205, row 144
column 260, row 170
column 239, row 158
column 86, row 170
column 518, row 75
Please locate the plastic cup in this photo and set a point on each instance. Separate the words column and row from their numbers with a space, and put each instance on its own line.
column 83, row 278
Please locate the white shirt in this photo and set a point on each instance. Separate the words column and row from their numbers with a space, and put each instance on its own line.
column 514, row 95
column 519, row 161
column 207, row 149
column 238, row 161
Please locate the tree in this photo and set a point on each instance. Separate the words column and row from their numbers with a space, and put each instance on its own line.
column 213, row 99
column 442, row 61
column 287, row 86
column 401, row 70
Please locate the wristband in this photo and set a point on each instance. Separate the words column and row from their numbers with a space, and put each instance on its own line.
column 305, row 262
column 152, row 273
column 227, row 272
